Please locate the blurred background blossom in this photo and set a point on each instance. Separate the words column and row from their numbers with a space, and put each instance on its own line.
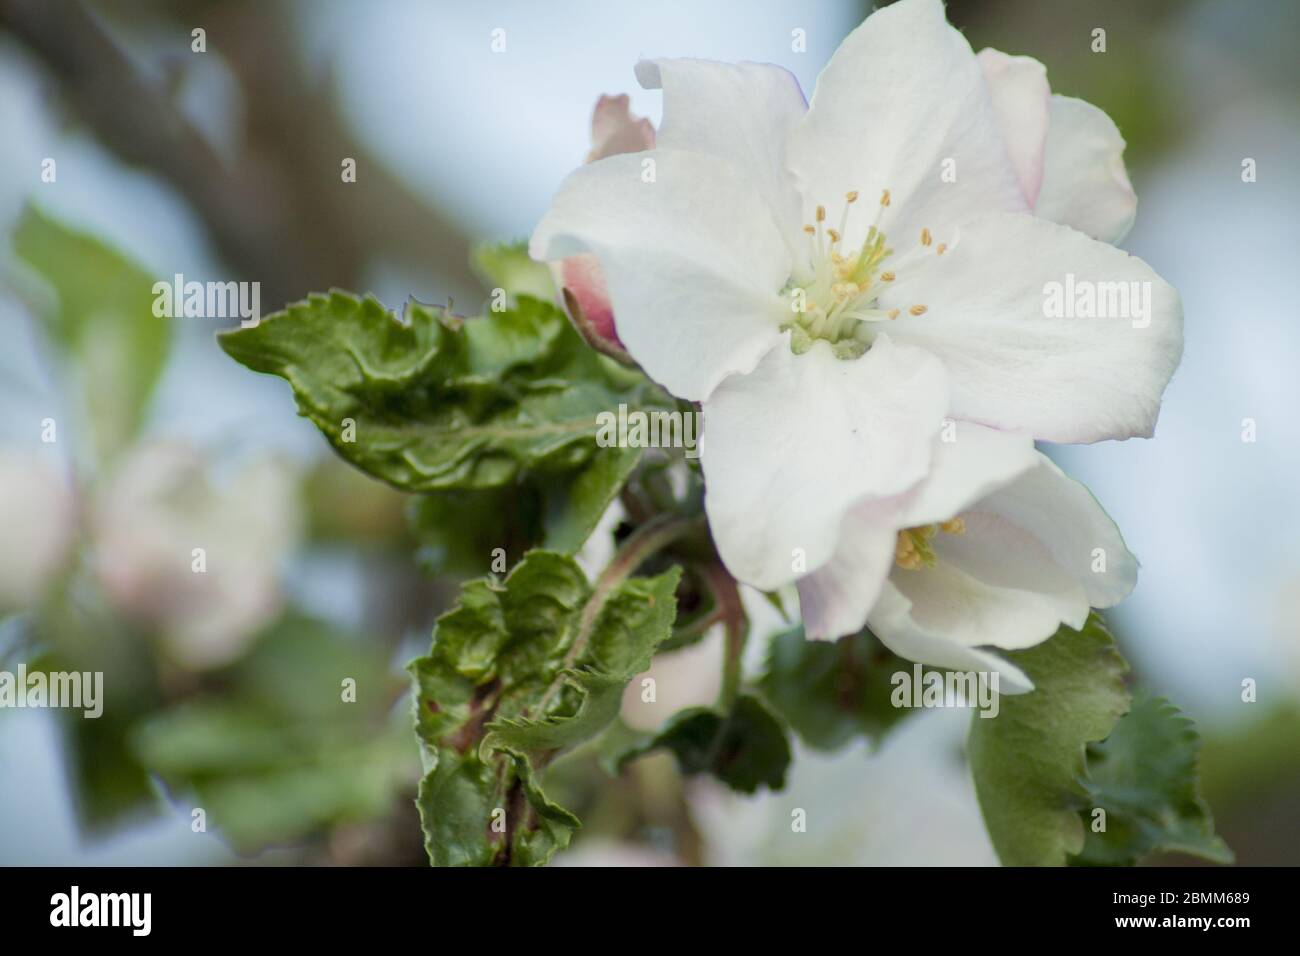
column 225, row 165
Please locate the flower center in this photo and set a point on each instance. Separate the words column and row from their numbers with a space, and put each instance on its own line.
column 915, row 547
column 837, row 299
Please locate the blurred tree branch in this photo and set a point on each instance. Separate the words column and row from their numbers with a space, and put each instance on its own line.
column 278, row 212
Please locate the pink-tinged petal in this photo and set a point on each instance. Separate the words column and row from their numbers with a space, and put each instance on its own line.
column 1085, row 184
column 691, row 257
column 1020, row 94
column 788, row 449
column 585, row 298
column 615, row 130
column 741, row 112
column 903, row 106
column 1069, row 379
column 835, row 599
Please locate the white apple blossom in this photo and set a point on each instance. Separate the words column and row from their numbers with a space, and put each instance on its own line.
column 156, row 510
column 832, row 279
column 1087, row 186
column 996, row 547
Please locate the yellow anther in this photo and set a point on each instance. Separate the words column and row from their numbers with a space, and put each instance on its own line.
column 810, row 230
column 917, row 310
column 940, row 248
column 887, row 277
column 821, row 213
column 835, row 236
column 955, row 526
column 851, row 196
column 925, row 237
column 893, row 313
column 884, row 198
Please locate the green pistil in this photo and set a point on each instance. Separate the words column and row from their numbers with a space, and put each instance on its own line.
column 921, row 541
column 833, row 314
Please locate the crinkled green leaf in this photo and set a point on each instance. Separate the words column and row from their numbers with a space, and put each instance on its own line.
column 439, row 403
column 600, row 696
column 101, row 317
column 832, row 692
column 1029, row 761
column 1144, row 776
column 505, row 687
column 745, row 749
column 633, row 621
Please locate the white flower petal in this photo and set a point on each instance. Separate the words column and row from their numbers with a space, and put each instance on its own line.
column 1085, row 184
column 893, row 623
column 835, row 599
column 996, row 584
column 741, row 112
column 1059, row 379
column 1022, row 568
column 693, row 262
column 970, row 461
column 903, row 101
column 789, row 448
column 1063, row 515
column 1020, row 93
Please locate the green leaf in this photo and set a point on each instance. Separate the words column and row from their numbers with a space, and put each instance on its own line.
column 507, row 265
column 101, row 317
column 832, row 692
column 459, row 532
column 1144, row 776
column 518, row 672
column 438, row 403
column 1029, row 761
column 109, row 785
column 273, row 752
column 745, row 749
column 113, row 788
column 574, row 504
